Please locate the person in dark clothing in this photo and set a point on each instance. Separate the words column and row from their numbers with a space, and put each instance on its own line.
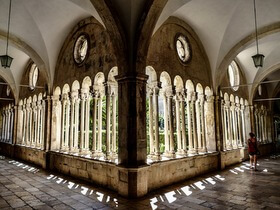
column 253, row 150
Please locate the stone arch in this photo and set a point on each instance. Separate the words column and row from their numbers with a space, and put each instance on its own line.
column 99, row 79
column 199, row 88
column 40, row 96
column 151, row 72
column 65, row 89
column 231, row 98
column 178, row 83
column 237, row 99
column 86, row 83
column 34, row 98
column 246, row 102
column 165, row 80
column 209, row 91
column 241, row 101
column 57, row 91
column 112, row 74
column 20, row 102
column 189, row 86
column 226, row 97
column 75, row 85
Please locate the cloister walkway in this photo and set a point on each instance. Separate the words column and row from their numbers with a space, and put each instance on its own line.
column 26, row 187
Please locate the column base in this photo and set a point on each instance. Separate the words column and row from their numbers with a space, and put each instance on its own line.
column 202, row 150
column 192, row 152
column 133, row 182
column 169, row 154
column 154, row 157
column 181, row 152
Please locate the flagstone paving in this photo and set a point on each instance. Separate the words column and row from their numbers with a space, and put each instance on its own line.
column 23, row 186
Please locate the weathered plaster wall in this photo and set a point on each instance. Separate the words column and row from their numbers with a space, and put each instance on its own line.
column 162, row 55
column 100, row 57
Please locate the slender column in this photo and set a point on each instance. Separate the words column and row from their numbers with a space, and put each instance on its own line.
column 76, row 124
column 108, row 120
column 189, row 113
column 151, row 122
column 82, row 128
column 35, row 123
column 8, row 125
column 243, row 125
column 87, row 116
column 224, row 125
column 46, row 113
column 256, row 124
column 178, row 123
column 114, row 124
column 42, row 120
column 156, row 120
column 198, row 125
column 194, row 129
column 67, row 124
column 166, row 137
column 99, row 145
column 13, row 109
column 95, row 100
column 240, row 142
column 234, row 124
column 38, row 125
column 23, row 124
column 3, row 124
column 63, row 129
column 19, row 127
column 203, row 139
column 72, row 120
column 29, row 124
column 171, row 131
column 229, row 120
column 183, row 114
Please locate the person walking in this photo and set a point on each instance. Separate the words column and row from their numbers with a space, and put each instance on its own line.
column 253, row 150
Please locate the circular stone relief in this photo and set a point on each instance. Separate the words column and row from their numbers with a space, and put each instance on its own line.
column 33, row 76
column 183, row 48
column 81, row 49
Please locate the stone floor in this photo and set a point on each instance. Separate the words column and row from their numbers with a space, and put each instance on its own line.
column 26, row 187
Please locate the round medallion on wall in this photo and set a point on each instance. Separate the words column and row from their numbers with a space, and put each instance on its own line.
column 81, row 49
column 33, row 76
column 8, row 91
column 183, row 48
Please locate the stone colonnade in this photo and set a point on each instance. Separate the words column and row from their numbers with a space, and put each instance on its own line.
column 81, row 123
column 7, row 124
column 261, row 123
column 31, row 122
column 235, row 121
column 185, row 112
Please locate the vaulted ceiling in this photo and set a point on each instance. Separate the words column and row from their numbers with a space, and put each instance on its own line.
column 225, row 28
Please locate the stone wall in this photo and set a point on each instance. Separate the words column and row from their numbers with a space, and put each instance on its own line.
column 31, row 155
column 100, row 58
column 101, row 173
column 162, row 55
column 230, row 157
column 169, row 172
